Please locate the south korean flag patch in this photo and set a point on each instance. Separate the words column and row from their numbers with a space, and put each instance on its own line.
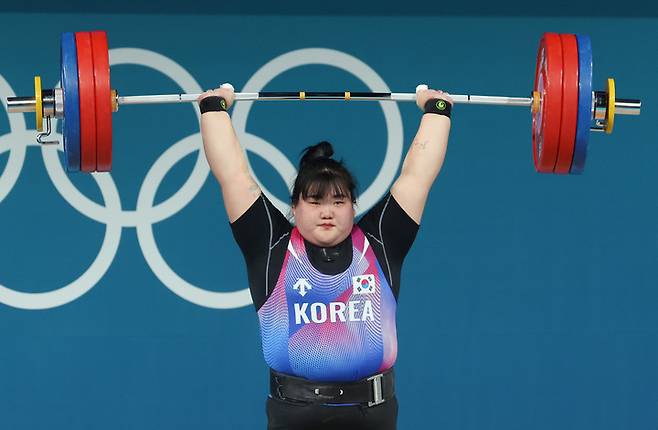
column 364, row 284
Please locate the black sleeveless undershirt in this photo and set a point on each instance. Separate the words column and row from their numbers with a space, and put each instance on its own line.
column 263, row 233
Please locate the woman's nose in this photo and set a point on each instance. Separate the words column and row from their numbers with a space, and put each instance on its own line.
column 326, row 211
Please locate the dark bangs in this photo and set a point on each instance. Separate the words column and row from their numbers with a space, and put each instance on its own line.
column 330, row 179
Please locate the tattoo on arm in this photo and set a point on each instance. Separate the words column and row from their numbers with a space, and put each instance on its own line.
column 421, row 144
column 254, row 189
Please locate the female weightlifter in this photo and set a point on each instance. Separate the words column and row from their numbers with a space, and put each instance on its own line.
column 326, row 288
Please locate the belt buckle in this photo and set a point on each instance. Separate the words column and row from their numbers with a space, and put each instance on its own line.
column 377, row 392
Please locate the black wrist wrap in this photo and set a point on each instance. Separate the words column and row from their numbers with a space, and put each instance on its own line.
column 439, row 107
column 212, row 104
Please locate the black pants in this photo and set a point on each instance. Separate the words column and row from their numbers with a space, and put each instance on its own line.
column 288, row 415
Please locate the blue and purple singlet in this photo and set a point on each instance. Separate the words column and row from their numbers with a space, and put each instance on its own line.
column 330, row 327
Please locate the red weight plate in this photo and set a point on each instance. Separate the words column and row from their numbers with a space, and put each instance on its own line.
column 87, row 102
column 546, row 121
column 103, row 101
column 569, row 103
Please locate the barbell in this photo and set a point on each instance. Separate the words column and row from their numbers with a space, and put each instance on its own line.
column 564, row 107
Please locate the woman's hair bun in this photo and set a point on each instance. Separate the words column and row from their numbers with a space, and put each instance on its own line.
column 315, row 152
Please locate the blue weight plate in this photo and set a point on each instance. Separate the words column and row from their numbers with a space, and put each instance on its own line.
column 584, row 104
column 71, row 128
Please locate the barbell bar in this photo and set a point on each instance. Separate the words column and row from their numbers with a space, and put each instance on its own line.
column 564, row 107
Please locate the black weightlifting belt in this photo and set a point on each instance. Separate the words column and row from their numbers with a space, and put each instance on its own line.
column 369, row 391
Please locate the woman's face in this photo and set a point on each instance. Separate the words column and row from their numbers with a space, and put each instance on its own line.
column 325, row 221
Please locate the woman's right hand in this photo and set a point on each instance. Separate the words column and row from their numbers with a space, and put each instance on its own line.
column 225, row 91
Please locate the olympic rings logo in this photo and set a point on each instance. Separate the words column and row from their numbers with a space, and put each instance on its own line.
column 146, row 214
